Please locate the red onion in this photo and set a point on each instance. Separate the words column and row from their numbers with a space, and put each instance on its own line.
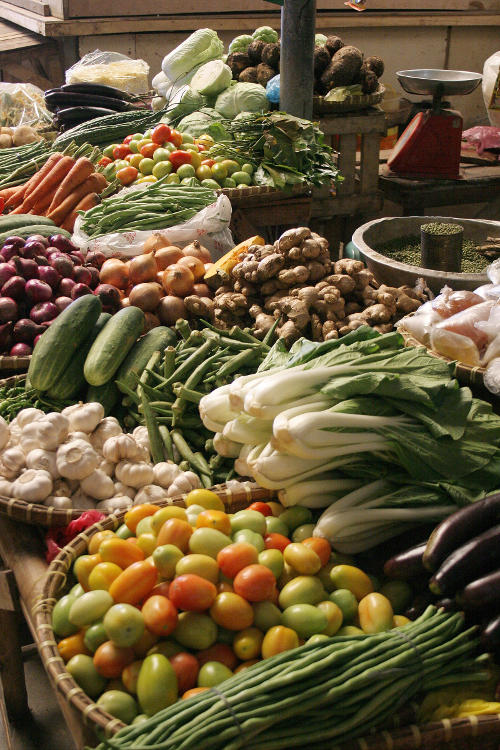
column 62, row 243
column 62, row 303
column 49, row 275
column 41, row 260
column 7, row 271
column 8, row 251
column 14, row 288
column 32, row 249
column 63, row 265
column 94, row 274
column 38, row 238
column 20, row 350
column 5, row 335
column 82, row 275
column 15, row 240
column 26, row 267
column 44, row 311
column 25, row 331
column 38, row 291
column 108, row 294
column 79, row 290
column 66, row 287
column 77, row 257
column 37, row 339
column 95, row 258
column 8, row 309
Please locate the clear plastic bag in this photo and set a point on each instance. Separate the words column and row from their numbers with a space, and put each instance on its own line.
column 111, row 69
column 491, row 88
column 210, row 226
column 23, row 104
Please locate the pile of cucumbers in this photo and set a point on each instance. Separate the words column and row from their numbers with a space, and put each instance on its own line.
column 75, row 103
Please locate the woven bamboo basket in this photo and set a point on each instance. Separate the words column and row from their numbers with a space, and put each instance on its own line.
column 352, row 104
column 10, row 364
column 471, row 733
column 250, row 191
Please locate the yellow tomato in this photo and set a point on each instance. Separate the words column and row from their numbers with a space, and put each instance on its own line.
column 103, row 575
column 147, row 542
column 195, row 159
column 276, row 508
column 351, row 578
column 165, row 514
column 400, row 621
column 375, row 613
column 130, row 675
column 201, row 565
column 137, row 513
column 303, row 559
column 214, row 519
column 247, row 643
column 231, row 611
column 120, row 551
column 134, row 159
column 334, row 616
column 148, row 178
column 206, row 498
column 278, row 639
column 83, row 567
column 245, row 665
column 72, row 645
column 95, row 541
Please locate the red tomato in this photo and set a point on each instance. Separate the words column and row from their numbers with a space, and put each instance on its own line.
column 255, row 583
column 127, row 175
column 160, row 588
column 177, row 532
column 186, row 667
column 111, row 660
column 148, row 150
column 127, row 139
column 160, row 615
column 261, row 508
column 104, row 161
column 320, row 546
column 161, row 134
column 192, row 593
column 208, row 162
column 276, row 541
column 235, row 557
column 175, row 137
column 218, row 652
column 180, row 157
column 201, row 147
column 120, row 152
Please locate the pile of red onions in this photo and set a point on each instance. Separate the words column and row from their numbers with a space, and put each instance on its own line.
column 40, row 277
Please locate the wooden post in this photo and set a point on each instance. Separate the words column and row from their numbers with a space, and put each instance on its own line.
column 296, row 65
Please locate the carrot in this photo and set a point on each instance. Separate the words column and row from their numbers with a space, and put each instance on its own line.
column 93, row 184
column 7, row 193
column 41, row 174
column 53, row 178
column 89, row 201
column 17, row 197
column 41, row 207
column 81, row 169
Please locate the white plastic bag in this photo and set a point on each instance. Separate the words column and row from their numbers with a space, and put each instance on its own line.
column 210, row 226
column 111, row 69
column 23, row 104
column 491, row 88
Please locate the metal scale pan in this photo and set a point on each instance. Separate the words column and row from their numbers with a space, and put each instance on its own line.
column 438, row 83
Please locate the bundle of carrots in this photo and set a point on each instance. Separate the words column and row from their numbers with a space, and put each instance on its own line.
column 61, row 188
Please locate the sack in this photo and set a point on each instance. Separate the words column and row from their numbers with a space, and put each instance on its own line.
column 111, row 69
column 491, row 88
column 210, row 226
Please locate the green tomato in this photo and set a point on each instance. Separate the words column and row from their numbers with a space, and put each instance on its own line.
column 76, row 590
column 134, row 147
column 275, row 526
column 119, row 704
column 247, row 535
column 249, row 519
column 205, row 541
column 138, row 137
column 195, row 630
column 191, row 147
column 296, row 516
column 211, row 183
column 219, row 159
column 156, row 684
column 272, row 559
column 192, row 512
column 166, row 647
column 124, row 624
column 399, row 594
column 315, row 639
column 302, row 590
column 145, row 141
column 90, row 607
column 346, row 601
column 173, row 179
column 248, row 168
column 266, row 615
column 302, row 532
column 225, row 636
column 108, row 151
column 60, row 616
column 148, row 133
column 231, row 166
column 121, row 164
column 146, row 166
column 144, row 526
column 123, row 532
column 219, row 171
column 212, row 673
column 94, row 636
column 242, row 178
column 187, row 138
column 190, row 181
column 305, row 619
column 166, row 557
column 349, row 630
column 161, row 154
column 186, row 170
column 324, row 575
column 228, row 183
column 140, row 719
column 204, row 172
column 81, row 668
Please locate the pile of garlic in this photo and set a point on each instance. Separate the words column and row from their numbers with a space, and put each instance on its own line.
column 81, row 459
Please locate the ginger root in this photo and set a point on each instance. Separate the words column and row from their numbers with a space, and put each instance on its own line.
column 292, row 238
column 292, row 276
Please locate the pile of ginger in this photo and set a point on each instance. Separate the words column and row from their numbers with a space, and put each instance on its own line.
column 295, row 281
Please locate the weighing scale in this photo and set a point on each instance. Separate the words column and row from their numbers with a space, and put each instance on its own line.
column 430, row 145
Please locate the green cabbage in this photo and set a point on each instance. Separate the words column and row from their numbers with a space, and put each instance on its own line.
column 184, row 101
column 206, row 120
column 265, row 34
column 212, row 78
column 240, row 43
column 200, row 47
column 242, row 97
column 320, row 40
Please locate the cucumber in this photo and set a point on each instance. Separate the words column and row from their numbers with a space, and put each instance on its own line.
column 22, row 220
column 132, row 367
column 72, row 380
column 112, row 345
column 107, row 395
column 26, row 231
column 59, row 344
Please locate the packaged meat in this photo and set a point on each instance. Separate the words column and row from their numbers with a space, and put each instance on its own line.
column 421, row 323
column 454, row 346
column 491, row 377
column 488, row 291
column 450, row 303
column 464, row 323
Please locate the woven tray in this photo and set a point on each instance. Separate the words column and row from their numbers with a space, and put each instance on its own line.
column 14, row 364
column 255, row 190
column 472, row 733
column 352, row 104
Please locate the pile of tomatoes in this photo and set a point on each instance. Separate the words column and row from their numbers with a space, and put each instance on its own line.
column 164, row 152
column 177, row 600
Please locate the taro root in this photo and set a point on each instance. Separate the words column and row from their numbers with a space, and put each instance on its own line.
column 238, row 61
column 343, row 69
column 271, row 55
column 264, row 74
column 376, row 64
column 333, row 44
column 322, row 60
column 249, row 75
column 368, row 80
column 254, row 51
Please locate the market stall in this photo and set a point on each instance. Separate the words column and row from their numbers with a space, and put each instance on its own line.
column 225, row 439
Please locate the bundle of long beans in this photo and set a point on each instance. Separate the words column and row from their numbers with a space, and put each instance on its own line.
column 170, row 388
column 16, row 168
column 338, row 689
column 17, row 396
column 154, row 206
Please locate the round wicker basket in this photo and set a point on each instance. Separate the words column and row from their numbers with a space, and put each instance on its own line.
column 10, row 364
column 322, row 106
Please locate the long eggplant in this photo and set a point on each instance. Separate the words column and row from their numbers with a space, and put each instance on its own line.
column 56, row 100
column 74, row 115
column 462, row 525
column 99, row 89
column 482, row 592
column 406, row 564
column 490, row 637
column 475, row 558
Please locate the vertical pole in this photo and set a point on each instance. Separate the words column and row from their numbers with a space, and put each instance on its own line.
column 296, row 64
